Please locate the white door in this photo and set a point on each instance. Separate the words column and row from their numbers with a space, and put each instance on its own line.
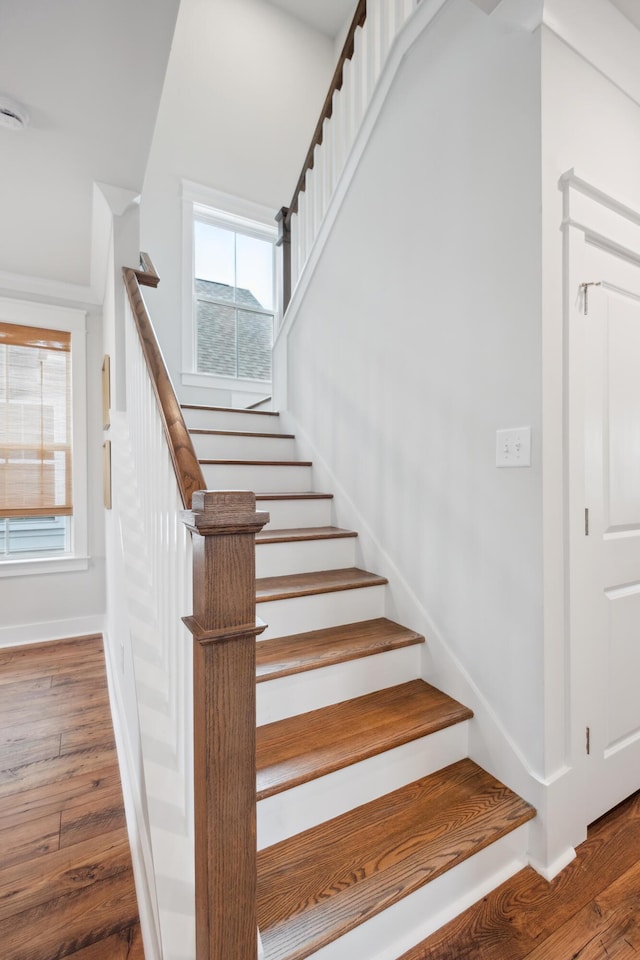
column 607, row 589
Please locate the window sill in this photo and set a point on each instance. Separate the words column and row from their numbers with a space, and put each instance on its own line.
column 225, row 383
column 34, row 566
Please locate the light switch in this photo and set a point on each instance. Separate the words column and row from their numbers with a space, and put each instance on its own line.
column 513, row 447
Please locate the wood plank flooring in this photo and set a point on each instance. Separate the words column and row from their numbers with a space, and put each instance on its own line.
column 591, row 911
column 66, row 881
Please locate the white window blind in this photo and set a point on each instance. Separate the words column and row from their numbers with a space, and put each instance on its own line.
column 35, row 422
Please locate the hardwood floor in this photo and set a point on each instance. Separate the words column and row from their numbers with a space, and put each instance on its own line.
column 591, row 911
column 66, row 881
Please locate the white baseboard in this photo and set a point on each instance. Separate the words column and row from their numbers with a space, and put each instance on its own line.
column 551, row 870
column 139, row 841
column 25, row 633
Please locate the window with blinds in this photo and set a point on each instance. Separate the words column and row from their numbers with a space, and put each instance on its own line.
column 35, row 423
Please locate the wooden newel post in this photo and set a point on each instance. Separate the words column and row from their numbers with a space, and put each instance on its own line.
column 224, row 629
column 284, row 241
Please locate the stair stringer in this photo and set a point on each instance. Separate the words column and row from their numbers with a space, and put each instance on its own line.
column 550, row 847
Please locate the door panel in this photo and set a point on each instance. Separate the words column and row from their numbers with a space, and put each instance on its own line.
column 610, row 591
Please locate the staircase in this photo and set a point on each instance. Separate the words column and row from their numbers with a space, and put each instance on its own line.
column 374, row 826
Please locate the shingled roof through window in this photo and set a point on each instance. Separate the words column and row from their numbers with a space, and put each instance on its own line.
column 221, row 324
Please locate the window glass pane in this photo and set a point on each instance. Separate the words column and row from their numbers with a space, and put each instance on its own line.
column 35, row 422
column 255, row 339
column 35, row 535
column 215, row 258
column 216, row 339
column 254, row 272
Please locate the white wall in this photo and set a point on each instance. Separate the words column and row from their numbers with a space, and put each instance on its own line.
column 243, row 90
column 419, row 336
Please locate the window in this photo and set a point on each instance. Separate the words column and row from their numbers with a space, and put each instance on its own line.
column 233, row 287
column 42, row 474
column 229, row 292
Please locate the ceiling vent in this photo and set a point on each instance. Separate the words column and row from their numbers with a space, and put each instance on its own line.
column 12, row 114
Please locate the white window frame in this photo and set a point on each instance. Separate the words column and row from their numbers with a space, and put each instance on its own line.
column 244, row 216
column 73, row 321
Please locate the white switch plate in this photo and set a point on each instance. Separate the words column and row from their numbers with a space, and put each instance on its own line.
column 513, row 447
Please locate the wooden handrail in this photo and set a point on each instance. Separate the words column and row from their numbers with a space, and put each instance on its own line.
column 185, row 462
column 223, row 525
column 284, row 215
column 359, row 18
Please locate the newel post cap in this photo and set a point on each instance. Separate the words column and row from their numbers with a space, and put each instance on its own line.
column 220, row 512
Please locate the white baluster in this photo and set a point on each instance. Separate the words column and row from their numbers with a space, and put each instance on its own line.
column 303, row 249
column 346, row 100
column 320, row 159
column 295, row 252
column 337, row 123
column 327, row 165
column 357, row 80
column 372, row 48
column 405, row 9
column 311, row 209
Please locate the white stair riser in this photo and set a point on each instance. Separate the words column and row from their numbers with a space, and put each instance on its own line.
column 300, row 808
column 297, row 513
column 304, row 556
column 403, row 925
column 285, row 479
column 301, row 614
column 230, row 420
column 216, row 446
column 313, row 689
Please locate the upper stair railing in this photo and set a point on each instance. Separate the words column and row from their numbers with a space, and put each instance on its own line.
column 196, row 695
column 373, row 29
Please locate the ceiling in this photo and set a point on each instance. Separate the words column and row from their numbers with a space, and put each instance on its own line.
column 327, row 16
column 90, row 74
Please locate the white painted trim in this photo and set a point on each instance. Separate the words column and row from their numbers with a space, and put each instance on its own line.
column 139, row 841
column 35, row 566
column 20, row 283
column 25, row 633
column 521, row 13
column 574, row 181
column 197, row 193
column 236, row 384
column 599, row 33
column 551, row 870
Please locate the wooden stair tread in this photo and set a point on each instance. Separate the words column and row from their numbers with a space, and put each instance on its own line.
column 311, row 745
column 295, row 534
column 318, row 885
column 284, row 656
column 203, row 406
column 258, row 463
column 306, row 584
column 305, row 495
column 241, row 433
